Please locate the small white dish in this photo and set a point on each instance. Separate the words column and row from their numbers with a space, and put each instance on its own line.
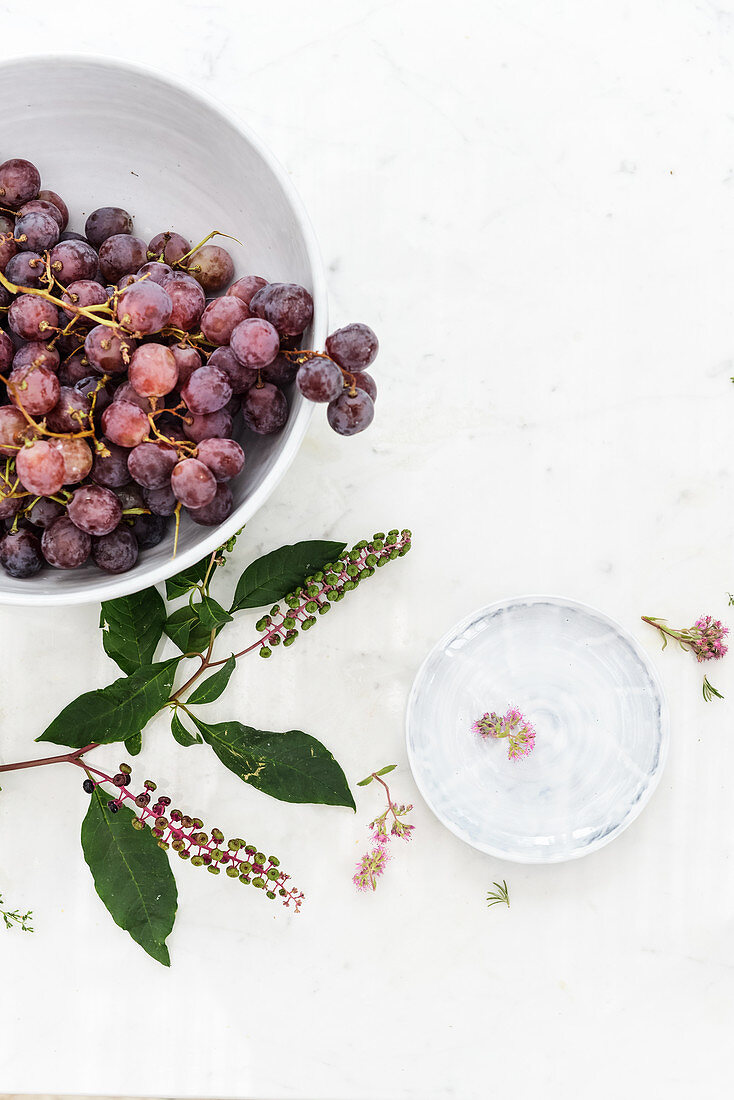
column 601, row 721
column 106, row 133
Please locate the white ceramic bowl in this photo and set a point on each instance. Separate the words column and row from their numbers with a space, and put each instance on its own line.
column 109, row 134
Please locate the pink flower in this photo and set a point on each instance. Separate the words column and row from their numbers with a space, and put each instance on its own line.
column 707, row 639
column 369, row 869
column 514, row 726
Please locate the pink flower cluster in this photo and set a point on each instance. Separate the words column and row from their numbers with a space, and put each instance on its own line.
column 385, row 826
column 514, row 726
column 370, row 867
column 707, row 639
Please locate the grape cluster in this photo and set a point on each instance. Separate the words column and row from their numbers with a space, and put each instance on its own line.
column 124, row 365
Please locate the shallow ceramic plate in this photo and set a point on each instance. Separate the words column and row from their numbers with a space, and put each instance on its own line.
column 601, row 725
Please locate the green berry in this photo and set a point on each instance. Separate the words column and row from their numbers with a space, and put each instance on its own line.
column 233, row 872
column 213, row 870
column 264, row 651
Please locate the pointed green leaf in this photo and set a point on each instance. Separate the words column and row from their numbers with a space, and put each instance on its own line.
column 184, row 629
column 276, row 574
column 114, row 713
column 132, row 627
column 134, row 744
column 365, row 782
column 212, row 688
column 212, row 615
column 181, row 734
column 186, row 580
column 131, row 874
column 291, row 766
column 385, row 771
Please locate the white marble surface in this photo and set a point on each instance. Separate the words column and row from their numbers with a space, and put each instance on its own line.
column 534, row 206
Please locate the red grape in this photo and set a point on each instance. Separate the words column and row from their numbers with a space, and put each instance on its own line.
column 121, row 255
column 224, row 457
column 169, row 245
column 37, row 354
column 217, row 510
column 108, row 350
column 71, row 411
column 207, row 390
column 156, row 271
column 111, row 469
column 246, row 287
column 125, row 424
column 116, row 552
column 259, row 299
column 150, row 464
column 25, row 269
column 36, row 231
column 208, row 425
column 365, row 381
column 43, row 206
column 72, row 260
column 106, row 221
column 20, row 554
column 162, row 502
column 44, row 511
column 64, row 545
column 95, row 510
column 73, row 370
column 320, row 379
column 149, row 530
column 289, row 308
column 264, row 409
column 353, row 347
column 281, row 372
column 35, row 389
column 240, row 378
column 187, row 360
column 8, row 249
column 193, row 483
column 12, row 423
column 187, row 299
column 153, row 371
column 83, row 293
column 19, row 182
column 40, row 468
column 55, row 200
column 32, row 317
column 220, row 318
column 212, row 266
column 77, row 457
column 7, row 352
column 351, row 413
column 255, row 342
column 126, row 392
column 144, row 307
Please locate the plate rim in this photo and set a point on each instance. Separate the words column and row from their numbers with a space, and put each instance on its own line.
column 655, row 776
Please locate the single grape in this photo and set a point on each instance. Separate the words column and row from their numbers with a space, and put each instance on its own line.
column 156, row 271
column 193, row 483
column 10, row 504
column 260, row 298
column 212, row 266
column 111, row 469
column 289, row 308
column 73, row 370
column 19, row 182
column 35, row 389
column 40, row 468
column 264, row 409
column 32, row 317
column 220, row 318
column 126, row 392
column 12, row 424
column 107, row 221
column 64, row 545
column 36, row 231
column 281, row 372
column 351, row 413
column 208, row 425
column 217, row 510
column 125, row 424
column 8, row 249
column 144, row 307
column 168, row 246
column 71, row 412
column 187, row 298
column 149, row 530
column 43, row 206
column 7, row 352
column 44, row 511
column 207, row 390
column 25, row 269
column 365, row 381
column 240, row 378
column 72, row 260
column 55, row 200
column 83, row 293
column 150, row 464
column 116, row 552
column 20, row 554
column 130, row 496
column 37, row 354
column 224, row 457
column 77, row 456
column 95, row 510
column 246, row 287
column 121, row 255
column 108, row 350
column 255, row 343
column 320, row 379
column 353, row 347
column 187, row 361
column 153, row 371
column 99, row 393
column 162, row 502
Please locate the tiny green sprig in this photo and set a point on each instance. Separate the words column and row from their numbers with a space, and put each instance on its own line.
column 709, row 691
column 13, row 918
column 499, row 896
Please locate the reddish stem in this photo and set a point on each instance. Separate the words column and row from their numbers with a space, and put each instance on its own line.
column 66, row 758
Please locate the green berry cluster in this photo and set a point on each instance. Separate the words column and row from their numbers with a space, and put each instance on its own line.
column 328, row 586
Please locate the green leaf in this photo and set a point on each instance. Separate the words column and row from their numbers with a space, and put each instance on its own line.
column 186, row 580
column 212, row 615
column 276, row 574
column 385, row 771
column 132, row 627
column 292, row 766
column 181, row 734
column 185, row 630
column 132, row 875
column 114, row 713
column 365, row 782
column 134, row 744
column 212, row 688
